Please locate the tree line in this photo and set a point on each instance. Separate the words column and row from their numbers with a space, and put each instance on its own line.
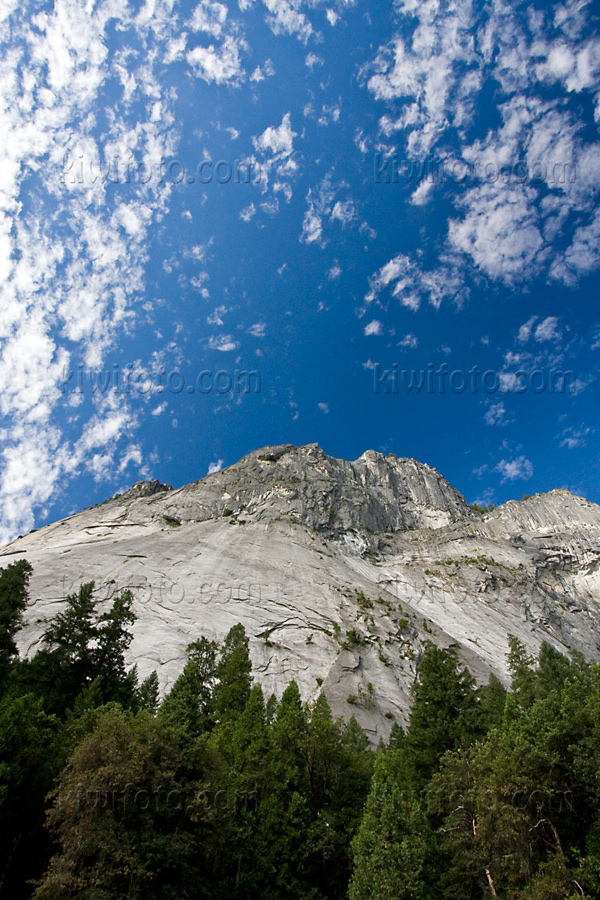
column 219, row 792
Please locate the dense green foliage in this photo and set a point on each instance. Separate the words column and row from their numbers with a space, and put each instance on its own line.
column 217, row 793
column 510, row 806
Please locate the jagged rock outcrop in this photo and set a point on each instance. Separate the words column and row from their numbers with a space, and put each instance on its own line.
column 145, row 489
column 373, row 494
column 340, row 571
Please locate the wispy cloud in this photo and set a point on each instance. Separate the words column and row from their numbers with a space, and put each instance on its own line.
column 519, row 469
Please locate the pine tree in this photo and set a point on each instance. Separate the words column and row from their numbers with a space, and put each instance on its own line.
column 443, row 714
column 234, row 675
column 284, row 812
column 552, row 671
column 521, row 667
column 245, row 747
column 148, row 693
column 339, row 767
column 392, row 845
column 80, row 646
column 14, row 583
column 190, row 703
column 492, row 699
column 112, row 639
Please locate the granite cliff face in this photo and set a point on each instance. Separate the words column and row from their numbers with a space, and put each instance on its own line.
column 339, row 571
column 373, row 494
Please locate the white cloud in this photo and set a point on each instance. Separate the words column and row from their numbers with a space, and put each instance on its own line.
column 262, row 72
column 286, row 18
column 547, row 330
column 513, row 227
column 73, row 267
column 582, row 256
column 324, row 407
column 312, row 227
column 334, row 272
column 374, row 327
column 219, row 64
column 223, row 342
column 432, row 72
column 361, row 141
column 525, row 330
column 409, row 341
column 500, row 231
column 216, row 317
column 159, row 410
column 575, row 437
column 247, row 212
column 410, row 283
column 277, row 140
column 276, row 145
column 215, row 467
column 209, row 17
column 515, row 469
column 343, row 212
column 422, row 194
column 270, row 207
column 258, row 330
column 496, row 415
column 329, row 113
column 321, row 207
column 313, row 60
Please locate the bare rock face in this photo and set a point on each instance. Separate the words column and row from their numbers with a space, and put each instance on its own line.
column 339, row 571
column 145, row 489
column 373, row 494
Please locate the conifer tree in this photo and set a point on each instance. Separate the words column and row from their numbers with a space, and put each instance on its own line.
column 190, row 703
column 553, row 670
column 14, row 583
column 339, row 773
column 148, row 693
column 234, row 675
column 492, row 699
column 521, row 666
column 443, row 715
column 393, row 842
column 284, row 812
column 246, row 749
column 79, row 646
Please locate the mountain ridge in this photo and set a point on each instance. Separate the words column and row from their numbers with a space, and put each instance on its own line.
column 339, row 570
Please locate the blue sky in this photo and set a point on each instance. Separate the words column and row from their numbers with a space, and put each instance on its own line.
column 423, row 193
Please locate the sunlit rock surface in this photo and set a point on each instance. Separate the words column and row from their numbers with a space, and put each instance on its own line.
column 339, row 571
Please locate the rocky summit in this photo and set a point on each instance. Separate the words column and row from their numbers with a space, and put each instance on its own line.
column 340, row 572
